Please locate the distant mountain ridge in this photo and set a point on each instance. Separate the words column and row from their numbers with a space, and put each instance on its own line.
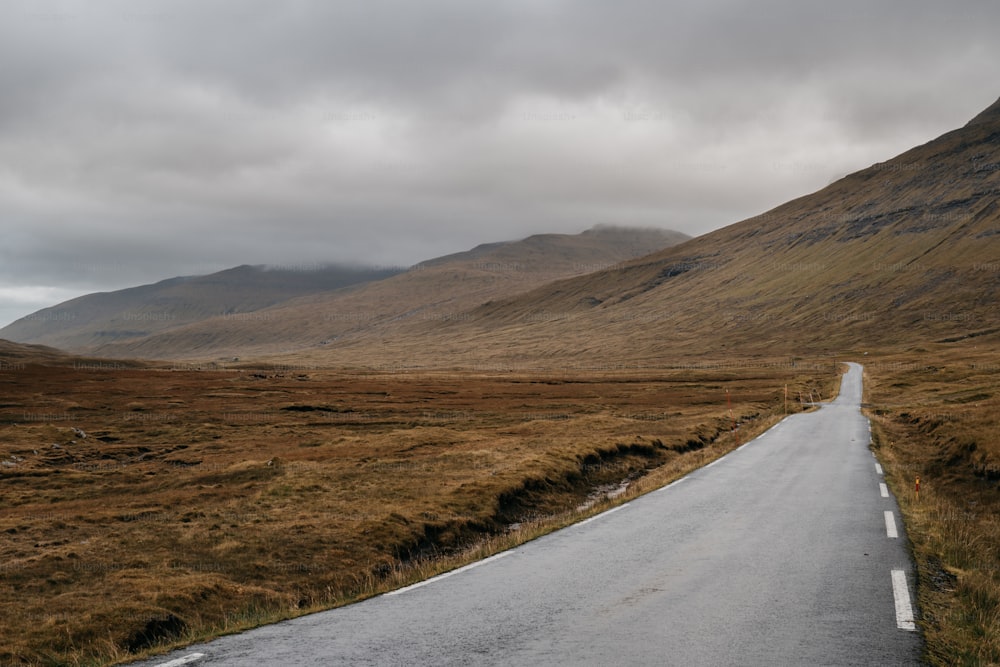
column 93, row 320
column 222, row 319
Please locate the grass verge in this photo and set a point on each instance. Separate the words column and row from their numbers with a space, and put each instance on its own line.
column 934, row 418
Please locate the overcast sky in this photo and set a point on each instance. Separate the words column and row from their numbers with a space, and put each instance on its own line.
column 141, row 140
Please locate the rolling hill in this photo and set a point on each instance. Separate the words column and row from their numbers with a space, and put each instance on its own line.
column 240, row 312
column 14, row 356
column 93, row 320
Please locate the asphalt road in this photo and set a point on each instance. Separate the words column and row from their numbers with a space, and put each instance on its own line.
column 778, row 554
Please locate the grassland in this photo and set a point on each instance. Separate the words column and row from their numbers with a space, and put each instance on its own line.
column 934, row 412
column 200, row 503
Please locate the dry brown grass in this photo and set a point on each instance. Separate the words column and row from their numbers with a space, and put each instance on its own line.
column 935, row 417
column 206, row 502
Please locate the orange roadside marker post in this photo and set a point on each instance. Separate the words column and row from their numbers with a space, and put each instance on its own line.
column 917, row 489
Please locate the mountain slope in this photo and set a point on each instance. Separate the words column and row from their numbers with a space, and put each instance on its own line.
column 901, row 253
column 438, row 290
column 96, row 319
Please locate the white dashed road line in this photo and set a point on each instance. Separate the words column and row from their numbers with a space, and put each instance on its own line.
column 890, row 525
column 904, row 610
column 900, row 590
